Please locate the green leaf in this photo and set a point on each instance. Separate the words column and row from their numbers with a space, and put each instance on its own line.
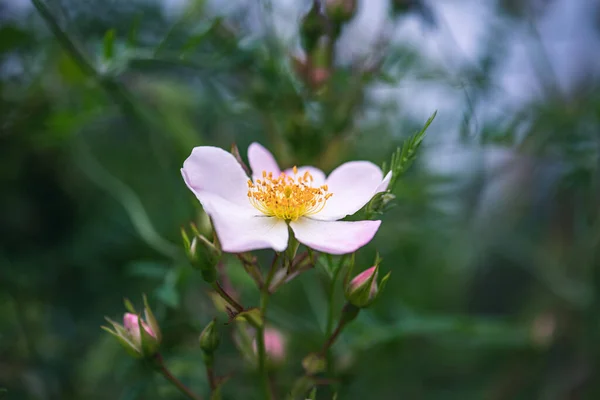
column 109, row 44
column 403, row 158
column 133, row 32
column 196, row 40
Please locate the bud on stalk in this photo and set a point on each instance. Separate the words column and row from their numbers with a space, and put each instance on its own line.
column 209, row 338
column 203, row 254
column 341, row 11
column 140, row 338
column 364, row 289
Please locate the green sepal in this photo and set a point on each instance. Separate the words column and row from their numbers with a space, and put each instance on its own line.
column 149, row 342
column 151, row 319
column 129, row 306
column 131, row 349
column 361, row 296
column 252, row 316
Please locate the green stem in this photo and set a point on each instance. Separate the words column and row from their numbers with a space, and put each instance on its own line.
column 271, row 273
column 212, row 380
column 173, row 380
column 260, row 331
column 331, row 339
column 230, row 300
column 349, row 313
column 260, row 341
column 331, row 294
column 63, row 39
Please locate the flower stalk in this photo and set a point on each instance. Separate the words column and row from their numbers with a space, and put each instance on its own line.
column 260, row 330
column 225, row 296
column 349, row 314
column 162, row 368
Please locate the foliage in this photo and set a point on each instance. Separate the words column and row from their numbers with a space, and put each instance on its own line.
column 492, row 242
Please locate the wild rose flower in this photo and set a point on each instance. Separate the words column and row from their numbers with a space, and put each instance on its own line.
column 252, row 214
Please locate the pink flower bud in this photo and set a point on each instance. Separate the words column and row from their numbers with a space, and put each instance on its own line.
column 319, row 76
column 362, row 278
column 364, row 288
column 130, row 322
column 274, row 345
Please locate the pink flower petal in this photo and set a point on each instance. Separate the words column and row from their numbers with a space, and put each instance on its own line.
column 317, row 174
column 334, row 237
column 361, row 278
column 130, row 322
column 260, row 160
column 213, row 170
column 241, row 229
column 353, row 184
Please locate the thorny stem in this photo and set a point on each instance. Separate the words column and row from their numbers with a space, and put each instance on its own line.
column 173, row 380
column 230, row 300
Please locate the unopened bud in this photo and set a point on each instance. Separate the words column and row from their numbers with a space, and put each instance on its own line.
column 202, row 254
column 313, row 26
column 209, row 338
column 381, row 203
column 132, row 324
column 141, row 338
column 274, row 346
column 364, row 288
column 341, row 11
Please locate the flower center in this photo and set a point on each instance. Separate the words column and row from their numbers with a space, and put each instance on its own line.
column 287, row 197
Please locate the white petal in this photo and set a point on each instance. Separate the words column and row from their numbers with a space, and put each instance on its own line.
column 213, row 170
column 239, row 229
column 334, row 237
column 384, row 183
column 352, row 184
column 261, row 159
column 317, row 174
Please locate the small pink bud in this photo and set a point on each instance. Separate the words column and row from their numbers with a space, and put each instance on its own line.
column 274, row 345
column 130, row 322
column 364, row 288
column 319, row 76
column 362, row 278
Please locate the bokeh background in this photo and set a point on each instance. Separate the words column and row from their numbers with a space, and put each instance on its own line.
column 493, row 243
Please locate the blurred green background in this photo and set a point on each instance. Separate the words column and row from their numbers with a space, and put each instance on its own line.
column 493, row 242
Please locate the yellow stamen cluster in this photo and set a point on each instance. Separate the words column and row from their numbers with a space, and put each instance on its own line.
column 287, row 197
